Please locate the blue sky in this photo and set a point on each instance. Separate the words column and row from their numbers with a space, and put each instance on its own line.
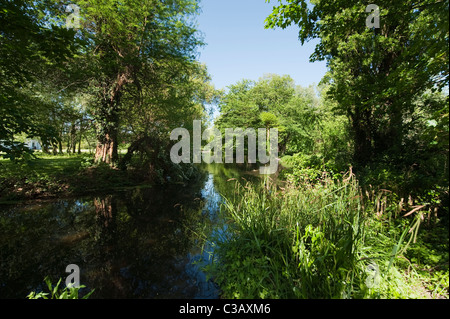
column 238, row 47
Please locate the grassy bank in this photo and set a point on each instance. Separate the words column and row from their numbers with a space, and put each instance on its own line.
column 50, row 176
column 327, row 240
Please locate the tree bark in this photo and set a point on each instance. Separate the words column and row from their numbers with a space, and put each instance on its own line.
column 79, row 145
column 106, row 150
column 108, row 122
column 74, row 140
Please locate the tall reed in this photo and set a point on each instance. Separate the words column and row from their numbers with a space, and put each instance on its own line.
column 313, row 241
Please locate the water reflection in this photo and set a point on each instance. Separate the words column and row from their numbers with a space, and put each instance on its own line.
column 141, row 243
column 136, row 244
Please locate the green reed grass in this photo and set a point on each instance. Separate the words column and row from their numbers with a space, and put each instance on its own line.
column 315, row 241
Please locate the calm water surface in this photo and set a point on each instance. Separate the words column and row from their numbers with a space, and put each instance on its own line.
column 141, row 243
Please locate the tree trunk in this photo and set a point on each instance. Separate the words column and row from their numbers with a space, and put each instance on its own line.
column 108, row 123
column 106, row 211
column 106, row 150
column 73, row 136
column 45, row 147
column 54, row 148
column 362, row 136
column 107, row 135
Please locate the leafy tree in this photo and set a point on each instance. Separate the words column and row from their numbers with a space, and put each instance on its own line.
column 376, row 75
column 238, row 108
column 148, row 127
column 274, row 101
column 135, row 48
column 32, row 49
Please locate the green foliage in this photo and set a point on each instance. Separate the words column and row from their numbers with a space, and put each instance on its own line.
column 283, row 249
column 268, row 119
column 50, row 176
column 32, row 50
column 128, row 71
column 57, row 292
column 304, row 119
column 139, row 68
column 129, row 75
column 389, row 83
column 376, row 76
column 302, row 168
column 16, row 151
column 323, row 239
column 422, row 169
column 45, row 175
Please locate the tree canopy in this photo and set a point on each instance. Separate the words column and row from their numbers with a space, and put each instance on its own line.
column 124, row 73
column 376, row 75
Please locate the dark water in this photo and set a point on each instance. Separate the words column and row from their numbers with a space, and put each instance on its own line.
column 141, row 243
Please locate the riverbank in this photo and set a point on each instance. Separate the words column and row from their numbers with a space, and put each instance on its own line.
column 67, row 175
column 325, row 240
column 322, row 239
column 55, row 176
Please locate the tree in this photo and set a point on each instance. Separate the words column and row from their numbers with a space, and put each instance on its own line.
column 32, row 49
column 148, row 126
column 133, row 47
column 273, row 101
column 376, row 75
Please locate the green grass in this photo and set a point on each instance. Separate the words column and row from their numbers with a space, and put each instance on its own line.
column 56, row 175
column 320, row 240
column 38, row 177
column 47, row 164
column 49, row 176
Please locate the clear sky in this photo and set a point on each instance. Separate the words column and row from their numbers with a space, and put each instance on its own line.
column 238, row 47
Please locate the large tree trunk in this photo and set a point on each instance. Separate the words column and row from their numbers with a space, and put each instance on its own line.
column 107, row 135
column 106, row 150
column 108, row 123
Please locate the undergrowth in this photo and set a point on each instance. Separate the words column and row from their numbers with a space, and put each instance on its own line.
column 325, row 239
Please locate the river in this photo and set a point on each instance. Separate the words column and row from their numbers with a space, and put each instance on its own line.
column 138, row 243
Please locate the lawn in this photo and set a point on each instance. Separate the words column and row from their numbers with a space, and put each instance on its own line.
column 50, row 176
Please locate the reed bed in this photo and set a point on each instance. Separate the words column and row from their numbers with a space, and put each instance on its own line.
column 322, row 240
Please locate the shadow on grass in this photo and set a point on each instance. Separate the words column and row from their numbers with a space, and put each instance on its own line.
column 51, row 176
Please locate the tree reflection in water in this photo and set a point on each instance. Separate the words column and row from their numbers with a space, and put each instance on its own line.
column 134, row 244
column 139, row 243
